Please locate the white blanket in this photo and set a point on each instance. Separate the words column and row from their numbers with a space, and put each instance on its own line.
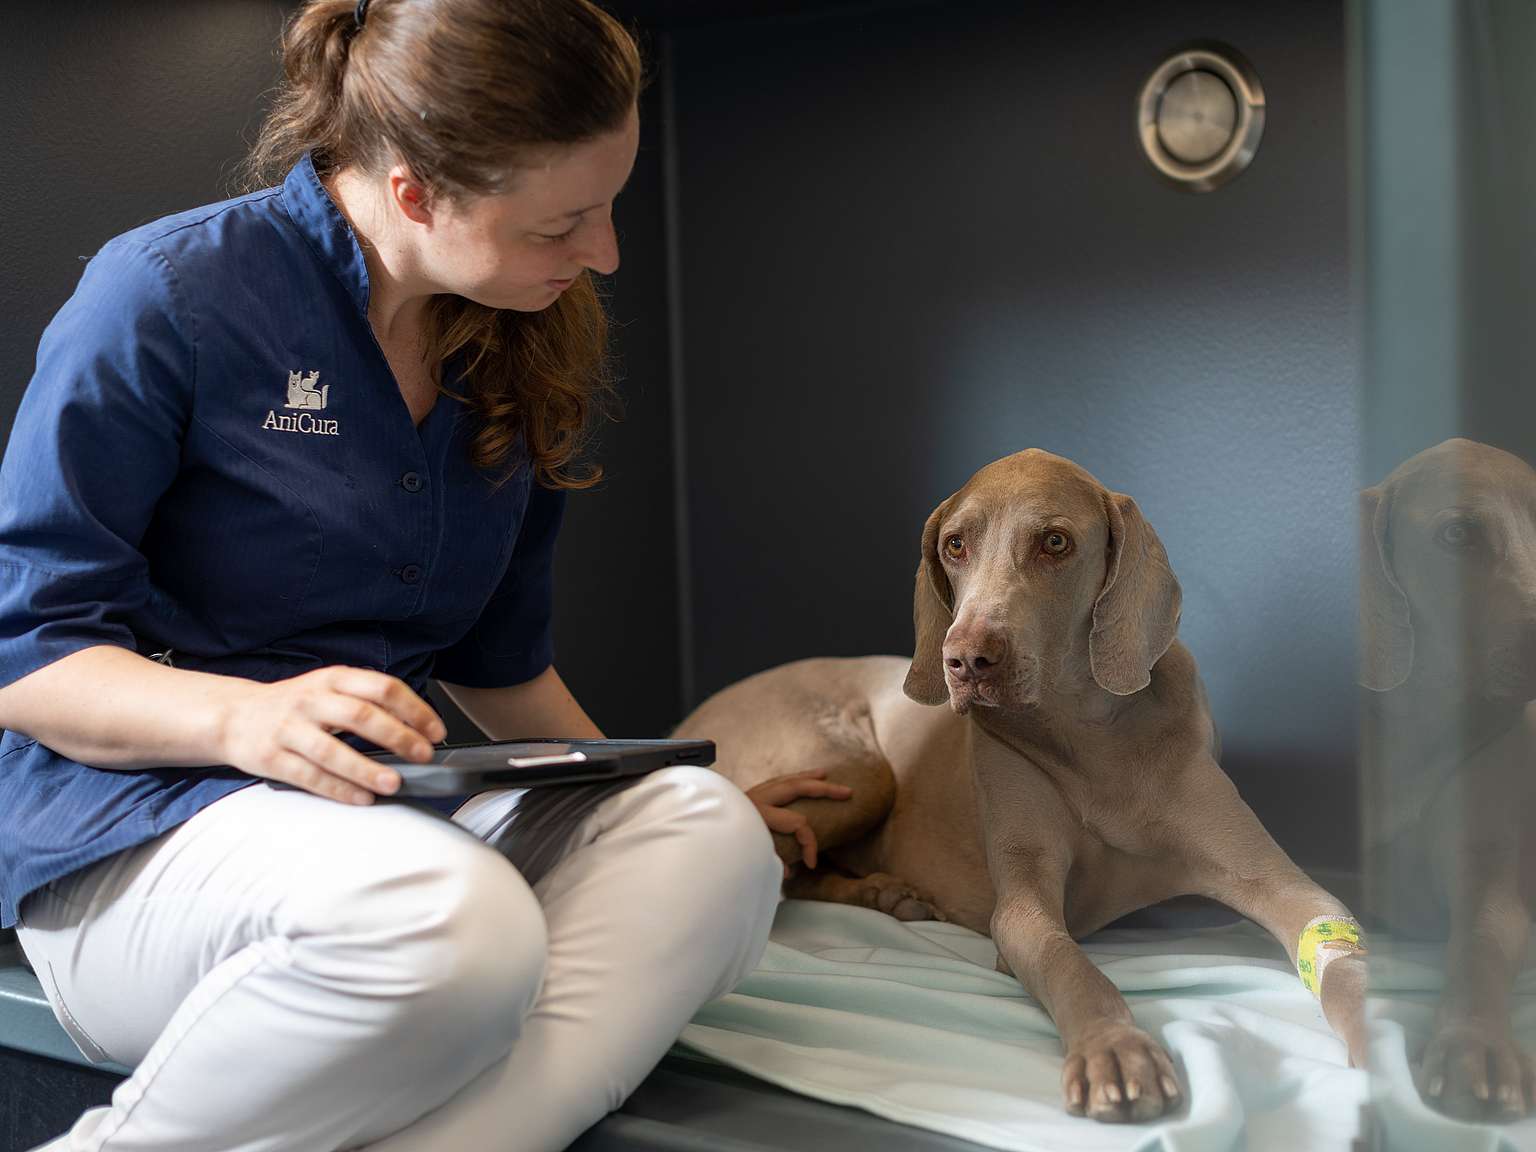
column 911, row 1022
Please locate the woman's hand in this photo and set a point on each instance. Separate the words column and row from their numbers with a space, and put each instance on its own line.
column 283, row 731
column 771, row 795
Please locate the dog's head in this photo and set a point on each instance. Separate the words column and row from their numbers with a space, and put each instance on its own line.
column 1448, row 573
column 1035, row 577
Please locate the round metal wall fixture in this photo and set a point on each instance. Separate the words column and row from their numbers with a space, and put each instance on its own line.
column 1200, row 116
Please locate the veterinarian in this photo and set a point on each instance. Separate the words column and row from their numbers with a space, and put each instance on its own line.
column 284, row 459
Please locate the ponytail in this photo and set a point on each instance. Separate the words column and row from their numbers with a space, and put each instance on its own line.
column 309, row 109
column 460, row 91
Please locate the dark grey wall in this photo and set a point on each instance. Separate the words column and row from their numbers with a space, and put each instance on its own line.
column 917, row 237
column 616, row 612
column 112, row 115
column 108, row 121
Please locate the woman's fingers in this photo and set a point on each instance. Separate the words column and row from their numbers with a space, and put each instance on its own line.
column 369, row 721
column 388, row 692
column 330, row 755
column 794, row 824
column 781, row 819
column 771, row 795
column 807, row 838
column 291, row 768
column 286, row 730
column 787, row 788
column 338, row 713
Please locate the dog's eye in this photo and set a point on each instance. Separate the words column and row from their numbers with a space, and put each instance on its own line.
column 1056, row 543
column 954, row 547
column 1458, row 534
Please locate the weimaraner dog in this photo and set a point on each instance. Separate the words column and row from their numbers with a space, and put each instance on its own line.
column 1072, row 780
column 1448, row 600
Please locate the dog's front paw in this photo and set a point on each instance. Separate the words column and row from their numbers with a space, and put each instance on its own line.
column 1475, row 1071
column 1118, row 1073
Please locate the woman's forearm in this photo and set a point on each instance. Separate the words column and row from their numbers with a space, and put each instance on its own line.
column 543, row 706
column 108, row 707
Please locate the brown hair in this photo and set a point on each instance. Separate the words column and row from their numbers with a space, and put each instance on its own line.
column 461, row 91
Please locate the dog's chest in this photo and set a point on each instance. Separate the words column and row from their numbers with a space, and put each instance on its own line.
column 1102, row 811
column 1123, row 857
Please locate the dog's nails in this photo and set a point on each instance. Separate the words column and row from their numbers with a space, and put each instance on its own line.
column 1112, row 1093
column 1480, row 1091
column 1170, row 1087
column 1075, row 1094
column 1133, row 1090
column 1436, row 1085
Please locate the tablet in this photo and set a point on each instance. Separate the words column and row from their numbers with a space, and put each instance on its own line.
column 461, row 769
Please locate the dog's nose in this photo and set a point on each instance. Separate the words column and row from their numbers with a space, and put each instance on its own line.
column 975, row 653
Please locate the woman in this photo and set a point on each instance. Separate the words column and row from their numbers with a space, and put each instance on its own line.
column 284, row 459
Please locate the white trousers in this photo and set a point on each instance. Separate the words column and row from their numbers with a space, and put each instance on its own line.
column 288, row 972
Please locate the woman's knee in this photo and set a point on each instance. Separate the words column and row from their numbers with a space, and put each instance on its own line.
column 449, row 940
column 494, row 944
column 734, row 848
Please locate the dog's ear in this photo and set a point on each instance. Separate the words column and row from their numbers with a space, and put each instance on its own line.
column 1386, row 624
column 1137, row 614
column 933, row 611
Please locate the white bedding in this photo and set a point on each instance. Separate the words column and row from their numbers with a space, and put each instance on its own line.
column 911, row 1022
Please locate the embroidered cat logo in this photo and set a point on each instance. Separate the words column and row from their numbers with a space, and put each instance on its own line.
column 302, row 393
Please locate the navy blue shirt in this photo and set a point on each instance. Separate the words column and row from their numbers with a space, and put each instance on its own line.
column 214, row 459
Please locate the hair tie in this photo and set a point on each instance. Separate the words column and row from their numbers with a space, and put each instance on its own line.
column 360, row 13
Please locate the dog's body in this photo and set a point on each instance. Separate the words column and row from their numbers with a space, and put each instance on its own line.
column 1073, row 780
column 1448, row 610
column 852, row 718
column 910, row 768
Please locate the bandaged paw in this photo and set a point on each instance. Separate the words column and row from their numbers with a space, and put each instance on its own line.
column 1324, row 940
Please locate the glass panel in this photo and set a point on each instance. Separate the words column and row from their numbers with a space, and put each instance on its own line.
column 1446, row 214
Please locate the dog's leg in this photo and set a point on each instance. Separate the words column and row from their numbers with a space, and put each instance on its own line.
column 1114, row 1071
column 1233, row 859
column 1473, row 1068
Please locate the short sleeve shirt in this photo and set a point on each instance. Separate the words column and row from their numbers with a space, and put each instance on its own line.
column 213, row 460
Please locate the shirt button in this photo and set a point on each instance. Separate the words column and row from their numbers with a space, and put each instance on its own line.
column 410, row 573
column 411, row 482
